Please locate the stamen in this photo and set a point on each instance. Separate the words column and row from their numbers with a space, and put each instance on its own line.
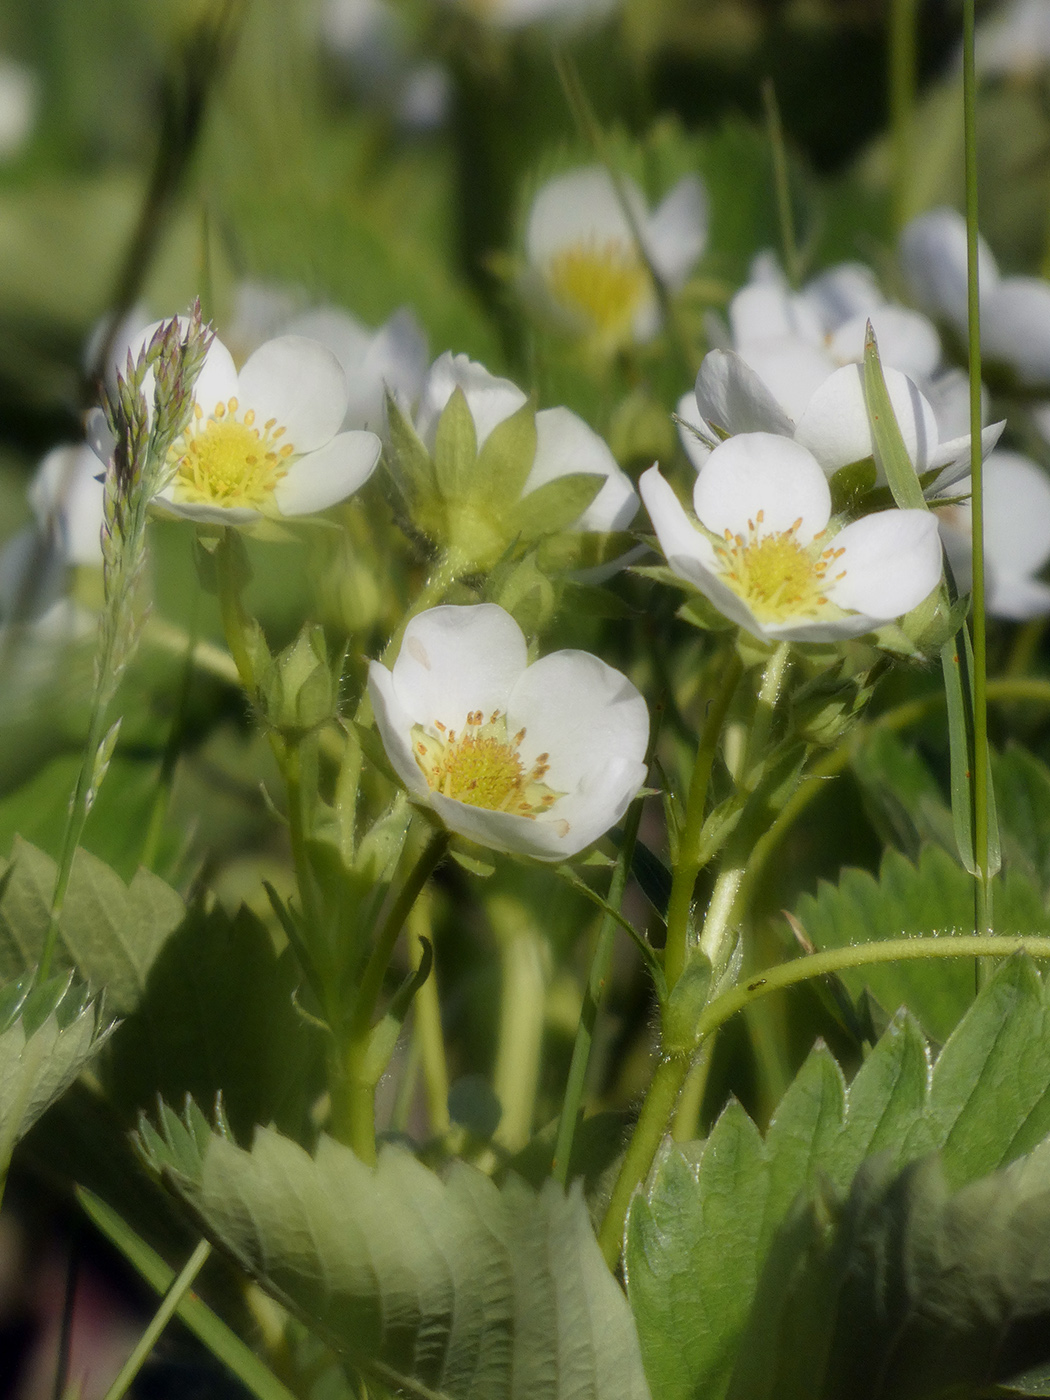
column 483, row 767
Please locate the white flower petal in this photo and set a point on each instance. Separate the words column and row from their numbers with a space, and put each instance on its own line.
column 582, row 713
column 333, row 472
column 908, row 340
column 1015, row 327
column 1017, row 599
column 933, row 256
column 949, row 395
column 842, row 293
column 954, row 456
column 791, row 370
column 1016, row 514
column 581, row 206
column 301, row 384
column 32, row 575
column 762, row 475
column 566, row 444
column 767, row 311
column 731, row 396
column 891, row 562
column 165, row 504
column 676, row 233
column 457, row 659
column 835, row 425
column 66, row 494
column 395, row 729
column 679, row 538
column 489, row 398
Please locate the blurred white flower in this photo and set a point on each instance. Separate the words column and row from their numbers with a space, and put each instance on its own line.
column 765, row 551
column 832, row 423
column 1016, row 536
column 538, row 759
column 19, row 101
column 391, row 359
column 66, row 498
column 516, row 14
column 584, row 268
column 565, row 444
column 266, row 441
column 369, row 38
column 1014, row 40
column 1015, row 311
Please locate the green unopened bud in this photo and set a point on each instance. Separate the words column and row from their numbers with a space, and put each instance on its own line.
column 299, row 689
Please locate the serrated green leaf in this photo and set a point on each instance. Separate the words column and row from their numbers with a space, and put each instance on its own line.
column 218, row 1016
column 110, row 932
column 41, row 1057
column 903, row 798
column 697, row 1241
column 903, row 1290
column 933, row 897
column 1022, row 785
column 436, row 1287
column 554, row 506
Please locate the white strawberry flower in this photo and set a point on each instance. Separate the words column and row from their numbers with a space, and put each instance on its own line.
column 764, row 549
column 565, row 444
column 585, row 270
column 1016, row 536
column 731, row 397
column 557, row 14
column 265, row 442
column 538, row 760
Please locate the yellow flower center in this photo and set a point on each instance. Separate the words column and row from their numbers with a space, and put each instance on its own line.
column 229, row 461
column 776, row 576
column 602, row 283
column 481, row 766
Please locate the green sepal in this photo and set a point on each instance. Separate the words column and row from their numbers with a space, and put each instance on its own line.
column 554, row 506
column 456, row 449
column 505, row 459
column 890, row 451
column 851, row 484
column 410, row 465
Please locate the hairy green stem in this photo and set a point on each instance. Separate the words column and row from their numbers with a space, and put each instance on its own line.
column 353, row 1097
column 516, row 1073
column 687, row 866
column 598, row 976
column 427, row 1013
column 774, row 979
column 657, row 1111
column 169, row 1304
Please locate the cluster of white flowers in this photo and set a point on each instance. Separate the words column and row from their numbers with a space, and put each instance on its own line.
column 288, row 419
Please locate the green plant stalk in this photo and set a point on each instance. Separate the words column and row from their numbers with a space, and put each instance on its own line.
column 601, row 964
column 687, row 866
column 983, row 879
column 231, row 610
column 686, row 1122
column 353, row 1097
column 427, row 1025
column 782, row 181
column 516, row 1073
column 657, row 1111
column 902, row 68
column 775, row 979
column 169, row 763
column 169, row 1305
